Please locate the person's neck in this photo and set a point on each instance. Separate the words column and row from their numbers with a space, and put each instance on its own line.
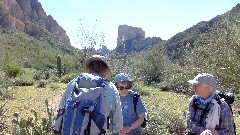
column 205, row 96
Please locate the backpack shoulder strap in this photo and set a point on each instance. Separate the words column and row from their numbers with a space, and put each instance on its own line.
column 135, row 100
column 195, row 106
column 204, row 112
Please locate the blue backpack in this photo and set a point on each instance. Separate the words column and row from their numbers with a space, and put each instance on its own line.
column 81, row 114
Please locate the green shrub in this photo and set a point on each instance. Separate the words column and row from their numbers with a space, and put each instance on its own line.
column 149, row 68
column 53, row 76
column 67, row 78
column 25, row 78
column 155, row 125
column 33, row 125
column 42, row 84
column 6, row 93
column 6, row 86
column 137, row 87
column 45, row 74
column 165, row 122
column 24, row 81
column 11, row 70
column 54, row 86
column 37, row 75
column 2, row 119
column 166, row 111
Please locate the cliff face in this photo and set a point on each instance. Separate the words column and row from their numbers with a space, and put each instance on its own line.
column 133, row 39
column 126, row 32
column 28, row 16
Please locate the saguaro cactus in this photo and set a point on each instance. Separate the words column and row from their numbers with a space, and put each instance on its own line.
column 59, row 68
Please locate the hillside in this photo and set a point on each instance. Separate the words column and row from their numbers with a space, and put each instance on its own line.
column 29, row 51
column 31, row 39
column 221, row 26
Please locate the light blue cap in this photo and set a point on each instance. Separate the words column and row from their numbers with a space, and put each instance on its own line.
column 122, row 77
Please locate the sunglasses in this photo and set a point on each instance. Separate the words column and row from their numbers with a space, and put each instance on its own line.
column 124, row 88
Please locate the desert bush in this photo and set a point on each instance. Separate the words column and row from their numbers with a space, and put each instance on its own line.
column 6, row 93
column 6, row 86
column 42, row 74
column 37, row 75
column 54, row 86
column 137, row 87
column 25, row 78
column 176, row 123
column 2, row 119
column 165, row 122
column 149, row 68
column 42, row 83
column 46, row 74
column 155, row 125
column 26, row 62
column 54, row 78
column 70, row 64
column 11, row 70
column 164, row 115
column 24, row 81
column 33, row 125
column 67, row 78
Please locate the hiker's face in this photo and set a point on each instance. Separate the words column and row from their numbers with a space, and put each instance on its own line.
column 203, row 91
column 123, row 87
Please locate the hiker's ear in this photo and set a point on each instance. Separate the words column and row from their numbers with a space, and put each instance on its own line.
column 87, row 70
column 104, row 72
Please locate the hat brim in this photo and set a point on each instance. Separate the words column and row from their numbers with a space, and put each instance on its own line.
column 193, row 82
column 88, row 61
column 129, row 81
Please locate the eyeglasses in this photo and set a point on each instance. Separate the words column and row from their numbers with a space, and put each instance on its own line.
column 124, row 88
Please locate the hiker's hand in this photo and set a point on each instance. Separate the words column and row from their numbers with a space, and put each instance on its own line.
column 214, row 132
column 206, row 132
column 209, row 132
column 125, row 130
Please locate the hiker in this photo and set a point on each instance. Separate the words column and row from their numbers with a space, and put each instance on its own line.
column 133, row 116
column 207, row 113
column 107, row 98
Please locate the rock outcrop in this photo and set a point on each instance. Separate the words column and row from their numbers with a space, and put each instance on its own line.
column 133, row 39
column 126, row 32
column 28, row 16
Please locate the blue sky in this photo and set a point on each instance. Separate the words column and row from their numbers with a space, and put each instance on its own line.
column 159, row 18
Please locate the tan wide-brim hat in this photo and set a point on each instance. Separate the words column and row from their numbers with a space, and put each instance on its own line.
column 97, row 58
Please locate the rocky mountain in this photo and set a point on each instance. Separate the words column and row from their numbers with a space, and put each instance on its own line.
column 133, row 39
column 28, row 16
column 31, row 39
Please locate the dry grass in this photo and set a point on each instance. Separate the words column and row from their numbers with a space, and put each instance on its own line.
column 27, row 99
